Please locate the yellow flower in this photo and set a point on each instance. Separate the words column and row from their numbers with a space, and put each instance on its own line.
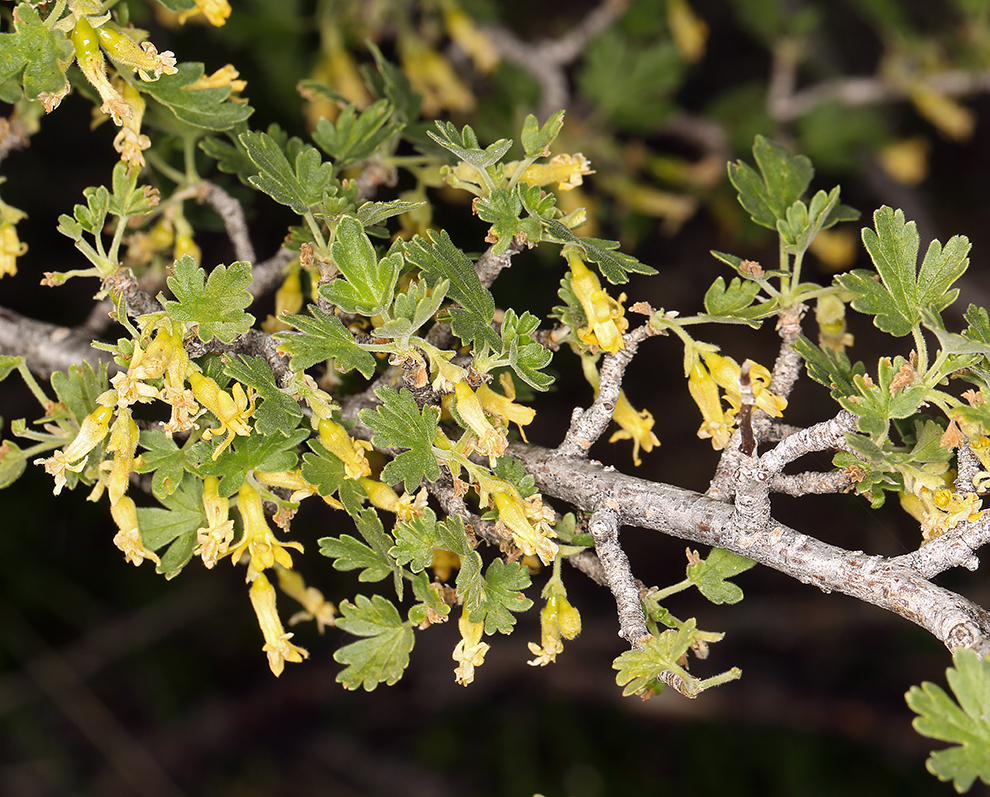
column 94, row 67
column 231, row 409
column 566, row 170
column 128, row 538
column 123, row 444
column 636, row 426
column 830, row 313
column 257, row 539
column 470, row 651
column 432, row 76
column 73, row 457
column 470, row 38
column 277, row 644
column 404, row 507
column 143, row 58
column 558, row 620
column 11, row 248
column 215, row 11
column 527, row 521
column 726, row 373
column 213, row 542
column 505, row 407
column 491, row 441
column 605, row 316
column 224, row 76
column 315, row 606
column 444, row 563
column 335, row 439
column 716, row 423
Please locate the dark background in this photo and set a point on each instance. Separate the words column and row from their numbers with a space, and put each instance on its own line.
column 115, row 682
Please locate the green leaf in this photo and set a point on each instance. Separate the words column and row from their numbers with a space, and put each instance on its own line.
column 399, row 422
column 966, row 724
column 439, row 260
column 615, row 266
column 373, row 559
column 431, row 600
column 277, row 412
column 501, row 209
column 415, row 540
column 640, row 669
column 782, row 180
column 300, row 184
column 214, row 306
column 711, row 575
column 524, row 355
column 737, row 301
column 371, row 214
column 875, row 403
column 12, row 463
column 383, row 655
column 255, row 452
column 43, row 52
column 497, row 596
column 904, row 293
column 209, row 109
column 8, row 364
column 465, row 145
column 174, row 525
column 164, row 460
column 127, row 199
column 369, row 283
column 828, row 367
column 79, row 387
column 321, row 336
column 413, row 308
column 803, row 222
column 354, row 138
column 536, row 140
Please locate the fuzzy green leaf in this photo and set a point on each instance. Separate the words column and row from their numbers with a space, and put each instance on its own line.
column 399, row 422
column 905, row 293
column 524, row 355
column 966, row 724
column 431, row 600
column 711, row 575
column 369, row 283
column 439, row 259
column 639, row 669
column 464, row 145
column 502, row 209
column 299, row 183
column 354, row 138
column 536, row 140
column 737, row 301
column 383, row 655
column 255, row 452
column 43, row 53
column 163, row 458
column 371, row 559
column 615, row 266
column 127, row 199
column 12, row 463
column 497, row 596
column 209, row 108
column 876, row 404
column 828, row 367
column 371, row 214
column 215, row 306
column 320, row 337
column 277, row 411
column 78, row 388
column 174, row 525
column 782, row 180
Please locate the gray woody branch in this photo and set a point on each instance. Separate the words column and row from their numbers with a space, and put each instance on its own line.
column 891, row 584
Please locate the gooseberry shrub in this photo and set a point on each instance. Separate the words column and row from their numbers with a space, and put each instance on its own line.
column 389, row 382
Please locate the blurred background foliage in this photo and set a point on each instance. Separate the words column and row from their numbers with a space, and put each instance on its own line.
column 114, row 682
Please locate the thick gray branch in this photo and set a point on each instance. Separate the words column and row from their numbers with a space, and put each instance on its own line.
column 889, row 583
column 47, row 347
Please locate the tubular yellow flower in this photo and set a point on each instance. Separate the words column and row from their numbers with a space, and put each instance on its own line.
column 470, row 38
column 558, row 620
column 315, row 606
column 231, row 409
column 432, row 76
column 716, row 423
column 505, row 407
column 605, row 316
column 636, row 426
column 213, row 542
column 94, row 67
column 404, row 507
column 516, row 515
column 336, row 440
column 73, row 457
column 277, row 644
column 123, row 444
column 257, row 540
column 215, row 11
column 491, row 441
column 11, row 248
column 128, row 538
column 470, row 651
column 444, row 563
column 143, row 59
column 225, row 76
column 566, row 170
column 726, row 371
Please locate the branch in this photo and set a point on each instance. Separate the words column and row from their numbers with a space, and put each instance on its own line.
column 892, row 584
column 46, row 347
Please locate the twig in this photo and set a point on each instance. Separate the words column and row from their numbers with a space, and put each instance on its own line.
column 232, row 214
column 46, row 347
column 897, row 585
column 604, row 528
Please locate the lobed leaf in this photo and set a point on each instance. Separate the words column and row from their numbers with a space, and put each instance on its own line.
column 368, row 286
column 214, row 306
column 383, row 655
column 399, row 422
